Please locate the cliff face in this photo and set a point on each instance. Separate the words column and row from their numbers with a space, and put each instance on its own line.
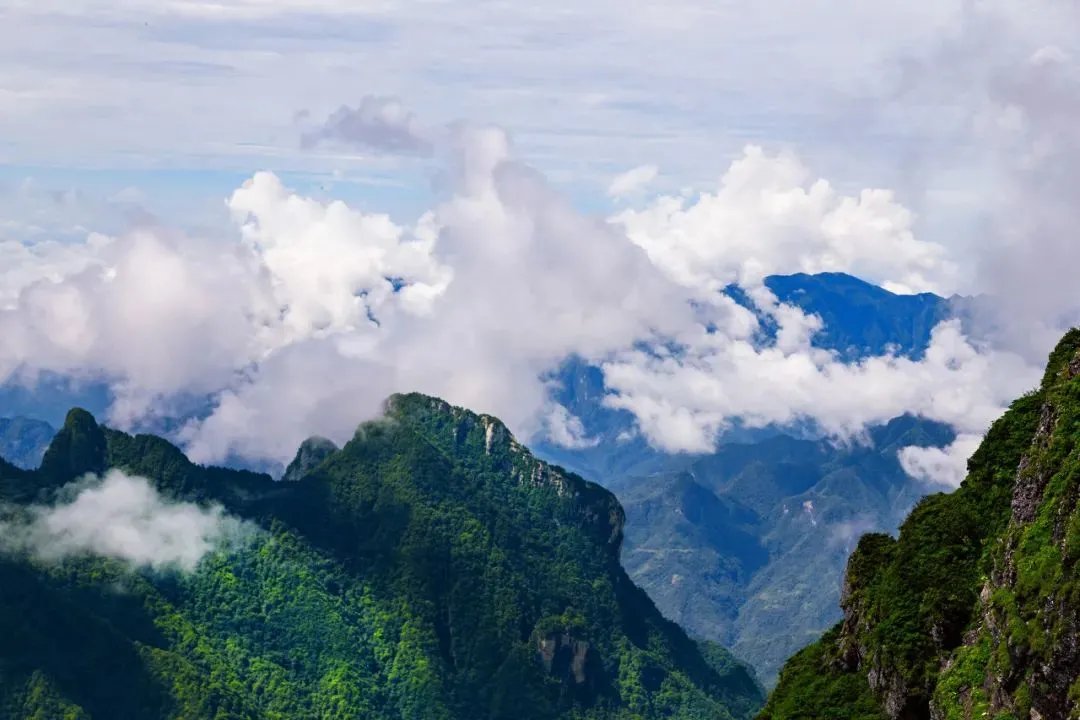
column 974, row 610
column 1021, row 656
column 486, row 446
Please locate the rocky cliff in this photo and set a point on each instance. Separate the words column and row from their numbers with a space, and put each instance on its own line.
column 973, row 611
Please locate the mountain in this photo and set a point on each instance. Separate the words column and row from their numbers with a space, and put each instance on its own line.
column 432, row 567
column 861, row 319
column 23, row 441
column 746, row 546
column 972, row 611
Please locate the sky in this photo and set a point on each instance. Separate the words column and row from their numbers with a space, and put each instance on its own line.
column 254, row 219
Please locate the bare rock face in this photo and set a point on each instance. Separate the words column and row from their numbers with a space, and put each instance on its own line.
column 310, row 455
column 565, row 657
column 1033, row 473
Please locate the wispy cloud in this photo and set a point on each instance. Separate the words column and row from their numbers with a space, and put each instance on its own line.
column 382, row 124
column 124, row 518
column 631, row 181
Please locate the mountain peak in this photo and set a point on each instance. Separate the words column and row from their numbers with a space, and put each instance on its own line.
column 450, row 425
column 484, row 443
column 78, row 448
column 311, row 454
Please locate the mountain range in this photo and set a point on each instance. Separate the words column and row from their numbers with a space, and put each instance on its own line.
column 746, row 546
column 432, row 567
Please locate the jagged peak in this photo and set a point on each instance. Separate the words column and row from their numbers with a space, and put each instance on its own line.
column 455, row 429
column 417, row 407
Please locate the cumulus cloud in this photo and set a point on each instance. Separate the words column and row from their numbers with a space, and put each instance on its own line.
column 684, row 400
column 154, row 313
column 24, row 264
column 121, row 517
column 632, row 181
column 514, row 281
column 769, row 215
column 316, row 311
column 378, row 123
column 333, row 268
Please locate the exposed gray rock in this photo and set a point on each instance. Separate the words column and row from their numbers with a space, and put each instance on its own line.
column 311, row 454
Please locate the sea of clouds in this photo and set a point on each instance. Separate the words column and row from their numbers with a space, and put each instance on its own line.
column 313, row 311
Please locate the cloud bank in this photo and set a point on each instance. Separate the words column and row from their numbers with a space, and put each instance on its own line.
column 124, row 518
column 312, row 311
column 769, row 215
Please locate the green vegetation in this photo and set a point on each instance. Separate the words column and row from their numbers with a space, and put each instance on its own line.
column 972, row 610
column 811, row 689
column 715, row 549
column 431, row 568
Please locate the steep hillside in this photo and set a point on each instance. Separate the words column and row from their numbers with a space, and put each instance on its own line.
column 747, row 545
column 430, row 568
column 973, row 610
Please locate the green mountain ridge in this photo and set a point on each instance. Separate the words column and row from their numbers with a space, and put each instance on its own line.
column 430, row 568
column 973, row 611
column 747, row 546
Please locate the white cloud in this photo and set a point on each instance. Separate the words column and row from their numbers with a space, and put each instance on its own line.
column 125, row 518
column 942, row 466
column 523, row 281
column 632, row 181
column 316, row 311
column 770, row 216
column 23, row 264
column 154, row 313
column 684, row 401
column 566, row 430
column 334, row 269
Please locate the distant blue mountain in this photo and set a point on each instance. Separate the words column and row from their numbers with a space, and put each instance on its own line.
column 747, row 545
column 51, row 396
column 859, row 320
column 862, row 319
column 23, row 441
